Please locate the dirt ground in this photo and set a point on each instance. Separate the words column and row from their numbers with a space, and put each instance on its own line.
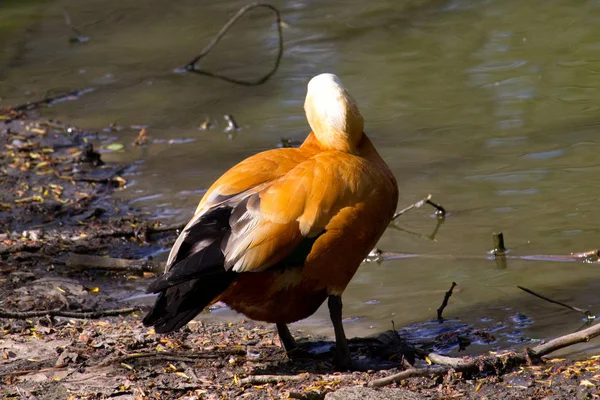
column 119, row 358
column 57, row 341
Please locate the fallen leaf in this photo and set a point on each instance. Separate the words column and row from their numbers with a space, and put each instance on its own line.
column 142, row 138
column 115, row 147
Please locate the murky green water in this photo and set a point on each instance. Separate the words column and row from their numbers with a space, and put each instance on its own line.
column 491, row 106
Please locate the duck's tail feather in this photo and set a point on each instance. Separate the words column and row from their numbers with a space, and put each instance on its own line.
column 180, row 303
column 195, row 274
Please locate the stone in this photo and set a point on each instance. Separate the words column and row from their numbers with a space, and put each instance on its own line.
column 361, row 393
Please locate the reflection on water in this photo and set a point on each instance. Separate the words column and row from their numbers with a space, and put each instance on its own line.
column 492, row 106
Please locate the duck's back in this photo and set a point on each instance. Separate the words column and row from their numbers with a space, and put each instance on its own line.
column 347, row 205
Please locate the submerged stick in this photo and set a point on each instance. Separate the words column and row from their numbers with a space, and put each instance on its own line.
column 587, row 313
column 445, row 302
column 191, row 66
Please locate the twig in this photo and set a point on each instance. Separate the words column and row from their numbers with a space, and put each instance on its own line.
column 439, row 210
column 588, row 256
column 191, row 66
column 165, row 228
column 587, row 313
column 427, row 200
column 264, row 379
column 29, row 371
column 454, row 362
column 51, row 99
column 68, row 314
column 80, row 261
column 409, row 373
column 170, row 356
column 79, row 37
column 575, row 257
column 25, row 255
column 445, row 302
column 20, row 246
column 123, row 231
column 493, row 363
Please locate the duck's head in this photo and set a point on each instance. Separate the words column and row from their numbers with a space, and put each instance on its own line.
column 333, row 114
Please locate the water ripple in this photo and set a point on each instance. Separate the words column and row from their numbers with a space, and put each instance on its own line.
column 545, row 155
column 517, row 176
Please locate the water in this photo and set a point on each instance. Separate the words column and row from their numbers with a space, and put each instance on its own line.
column 490, row 106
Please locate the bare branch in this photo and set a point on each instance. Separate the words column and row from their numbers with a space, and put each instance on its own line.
column 169, row 356
column 84, row 261
column 445, row 302
column 587, row 313
column 67, row 314
column 191, row 66
column 427, row 200
column 264, row 379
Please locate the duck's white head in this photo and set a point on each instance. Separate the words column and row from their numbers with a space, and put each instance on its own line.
column 333, row 114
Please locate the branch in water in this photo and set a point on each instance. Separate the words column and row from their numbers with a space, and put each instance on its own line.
column 191, row 66
column 440, row 211
column 587, row 313
column 445, row 302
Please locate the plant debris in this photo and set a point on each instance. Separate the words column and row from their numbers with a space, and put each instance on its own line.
column 85, row 359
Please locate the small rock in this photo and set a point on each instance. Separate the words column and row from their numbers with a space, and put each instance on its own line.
column 67, row 357
column 21, row 277
column 361, row 393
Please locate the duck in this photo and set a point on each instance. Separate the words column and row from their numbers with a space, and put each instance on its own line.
column 285, row 229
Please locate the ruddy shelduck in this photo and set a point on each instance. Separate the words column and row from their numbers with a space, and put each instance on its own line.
column 285, row 229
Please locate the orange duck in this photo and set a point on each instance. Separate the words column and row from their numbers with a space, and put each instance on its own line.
column 285, row 229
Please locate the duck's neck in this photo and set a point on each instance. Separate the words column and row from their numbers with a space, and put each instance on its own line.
column 337, row 129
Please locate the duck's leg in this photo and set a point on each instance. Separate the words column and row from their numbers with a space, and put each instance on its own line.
column 286, row 338
column 342, row 357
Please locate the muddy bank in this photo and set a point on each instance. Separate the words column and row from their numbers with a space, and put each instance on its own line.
column 55, row 195
column 63, row 335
